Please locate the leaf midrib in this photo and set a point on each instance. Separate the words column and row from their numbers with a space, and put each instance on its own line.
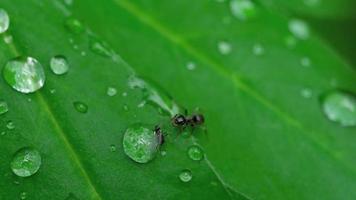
column 235, row 78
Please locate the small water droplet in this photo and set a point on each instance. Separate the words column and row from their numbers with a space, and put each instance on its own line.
column 59, row 65
column 10, row 125
column 3, row 133
column 299, row 29
column 23, row 195
column 242, row 9
column 126, row 108
column 100, row 48
column 74, row 25
column 83, row 53
column 306, row 93
column 311, row 3
column 141, row 104
column 140, row 143
column 305, row 62
column 4, row 21
column 8, row 39
column 154, row 95
column 3, row 107
column 340, row 107
column 195, row 153
column 185, row 175
column 224, row 47
column 163, row 153
column 258, row 49
column 111, row 91
column 26, row 162
column 68, row 2
column 124, row 94
column 25, row 75
column 80, row 107
column 191, row 66
column 112, row 148
column 52, row 91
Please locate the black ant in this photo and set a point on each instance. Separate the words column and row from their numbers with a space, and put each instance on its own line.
column 182, row 121
column 159, row 133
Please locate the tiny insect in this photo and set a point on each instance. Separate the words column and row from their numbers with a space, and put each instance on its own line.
column 159, row 133
column 182, row 121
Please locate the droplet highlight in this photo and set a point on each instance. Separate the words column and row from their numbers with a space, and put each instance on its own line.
column 4, row 21
column 24, row 74
column 26, row 162
column 59, row 65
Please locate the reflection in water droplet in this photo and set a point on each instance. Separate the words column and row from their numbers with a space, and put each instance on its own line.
column 258, row 49
column 191, row 66
column 74, row 25
column 224, row 47
column 111, row 91
column 306, row 93
column 242, row 9
column 340, row 107
column 3, row 107
column 4, row 21
column 59, row 65
column 26, row 162
column 195, row 153
column 25, row 75
column 155, row 96
column 10, row 125
column 299, row 29
column 140, row 143
column 80, row 107
column 185, row 175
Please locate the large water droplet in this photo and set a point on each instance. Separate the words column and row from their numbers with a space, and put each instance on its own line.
column 140, row 143
column 25, row 75
column 59, row 65
column 340, row 107
column 195, row 153
column 80, row 107
column 185, row 175
column 26, row 162
column 111, row 91
column 74, row 26
column 155, row 96
column 242, row 9
column 224, row 47
column 4, row 21
column 299, row 29
column 3, row 107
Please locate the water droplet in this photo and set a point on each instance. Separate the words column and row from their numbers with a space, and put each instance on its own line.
column 242, row 9
column 311, row 3
column 111, row 91
column 140, row 143
column 80, row 107
column 59, row 65
column 340, row 107
column 83, row 53
column 185, row 175
column 100, row 48
column 8, row 39
column 305, row 62
column 306, row 93
column 4, row 21
column 25, row 75
column 3, row 133
column 10, row 125
column 258, row 49
column 155, row 96
column 52, row 91
column 191, row 66
column 163, row 153
column 74, row 25
column 23, row 195
column 124, row 94
column 299, row 29
column 224, row 47
column 68, row 2
column 112, row 148
column 195, row 153
column 3, row 107
column 126, row 108
column 26, row 162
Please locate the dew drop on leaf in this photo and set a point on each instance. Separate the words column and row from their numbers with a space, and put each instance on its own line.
column 242, row 9
column 59, row 65
column 24, row 74
column 299, row 29
column 305, row 62
column 8, row 39
column 185, row 175
column 74, row 26
column 224, row 47
column 191, row 66
column 340, row 107
column 99, row 48
column 306, row 93
column 140, row 143
column 4, row 21
column 111, row 91
column 195, row 153
column 112, row 148
column 23, row 195
column 10, row 125
column 258, row 49
column 26, row 162
column 80, row 107
column 3, row 107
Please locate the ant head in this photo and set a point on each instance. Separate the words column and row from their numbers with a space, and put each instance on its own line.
column 179, row 120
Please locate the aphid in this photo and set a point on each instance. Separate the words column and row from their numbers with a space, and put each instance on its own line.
column 159, row 133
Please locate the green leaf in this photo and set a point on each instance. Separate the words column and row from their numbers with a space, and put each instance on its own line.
column 264, row 140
